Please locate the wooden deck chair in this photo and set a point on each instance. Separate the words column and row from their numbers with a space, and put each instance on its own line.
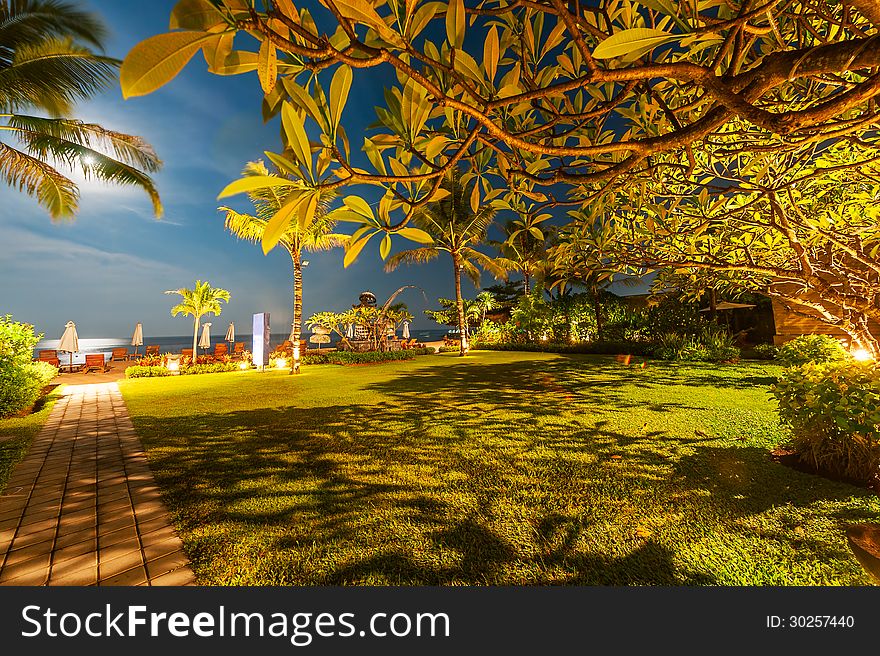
column 96, row 361
column 153, row 349
column 119, row 355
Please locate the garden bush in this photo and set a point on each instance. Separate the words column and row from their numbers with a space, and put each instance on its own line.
column 711, row 344
column 210, row 368
column 353, row 357
column 21, row 380
column 811, row 348
column 765, row 352
column 314, row 358
column 833, row 409
column 597, row 348
column 149, row 371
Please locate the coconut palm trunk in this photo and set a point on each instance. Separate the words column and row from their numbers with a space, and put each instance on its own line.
column 297, row 309
column 526, row 279
column 459, row 305
column 196, row 338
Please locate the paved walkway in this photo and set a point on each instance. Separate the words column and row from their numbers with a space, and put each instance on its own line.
column 82, row 508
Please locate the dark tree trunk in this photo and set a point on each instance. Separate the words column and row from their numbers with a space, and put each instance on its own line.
column 297, row 309
column 459, row 304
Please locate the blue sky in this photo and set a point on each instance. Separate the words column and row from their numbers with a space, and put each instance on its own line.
column 108, row 268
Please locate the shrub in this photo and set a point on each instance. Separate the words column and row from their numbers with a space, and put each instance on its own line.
column 711, row 344
column 210, row 368
column 354, row 357
column 314, row 358
column 21, row 381
column 833, row 409
column 811, row 348
column 765, row 352
column 138, row 371
column 596, row 348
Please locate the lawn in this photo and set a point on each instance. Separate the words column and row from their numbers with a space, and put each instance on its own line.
column 503, row 468
column 17, row 433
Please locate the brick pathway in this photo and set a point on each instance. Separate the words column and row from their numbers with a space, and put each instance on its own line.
column 82, row 508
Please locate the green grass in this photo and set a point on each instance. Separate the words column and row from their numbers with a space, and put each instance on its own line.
column 17, row 433
column 503, row 468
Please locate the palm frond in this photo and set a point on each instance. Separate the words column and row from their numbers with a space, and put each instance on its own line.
column 412, row 256
column 71, row 142
column 53, row 74
column 55, row 192
column 486, row 262
column 471, row 271
column 23, row 21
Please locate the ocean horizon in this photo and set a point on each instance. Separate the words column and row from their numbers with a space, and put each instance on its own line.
column 174, row 343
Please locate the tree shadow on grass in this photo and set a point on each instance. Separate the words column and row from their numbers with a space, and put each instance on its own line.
column 465, row 476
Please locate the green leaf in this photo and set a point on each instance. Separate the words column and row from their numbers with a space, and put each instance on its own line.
column 284, row 165
column 307, row 209
column 633, row 43
column 354, row 249
column 252, row 183
column 339, row 88
column 416, row 235
column 217, row 50
column 359, row 205
column 374, row 156
column 236, row 62
column 296, row 136
column 280, row 222
column 455, row 23
column 491, row 53
column 156, row 61
column 303, row 100
column 385, row 247
column 195, row 15
column 267, row 66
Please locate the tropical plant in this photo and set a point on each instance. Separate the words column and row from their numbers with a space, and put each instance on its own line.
column 197, row 302
column 805, row 349
column 47, row 64
column 296, row 238
column 540, row 98
column 833, row 409
column 455, row 225
column 21, row 381
column 801, row 228
column 524, row 247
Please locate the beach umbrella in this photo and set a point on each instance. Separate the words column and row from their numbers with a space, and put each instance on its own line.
column 230, row 333
column 349, row 332
column 205, row 339
column 137, row 339
column 69, row 341
column 406, row 329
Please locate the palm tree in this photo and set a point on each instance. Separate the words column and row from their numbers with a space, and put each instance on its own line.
column 524, row 248
column 46, row 65
column 198, row 302
column 316, row 236
column 483, row 303
column 455, row 228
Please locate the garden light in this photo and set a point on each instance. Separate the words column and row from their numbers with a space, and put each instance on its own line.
column 862, row 355
column 244, row 365
column 173, row 365
column 280, row 363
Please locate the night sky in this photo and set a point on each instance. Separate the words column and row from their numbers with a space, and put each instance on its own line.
column 107, row 269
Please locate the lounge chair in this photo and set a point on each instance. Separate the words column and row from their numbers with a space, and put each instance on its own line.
column 96, row 361
column 153, row 349
column 186, row 353
column 49, row 356
column 220, row 350
column 286, row 345
column 119, row 355
column 238, row 350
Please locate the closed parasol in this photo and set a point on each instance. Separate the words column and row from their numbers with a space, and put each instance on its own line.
column 406, row 330
column 137, row 338
column 205, row 339
column 69, row 341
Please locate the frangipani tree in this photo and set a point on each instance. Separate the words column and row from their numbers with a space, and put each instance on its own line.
column 47, row 64
column 561, row 103
column 802, row 228
column 197, row 302
column 315, row 235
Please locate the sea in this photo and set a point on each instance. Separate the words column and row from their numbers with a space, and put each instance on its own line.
column 174, row 344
